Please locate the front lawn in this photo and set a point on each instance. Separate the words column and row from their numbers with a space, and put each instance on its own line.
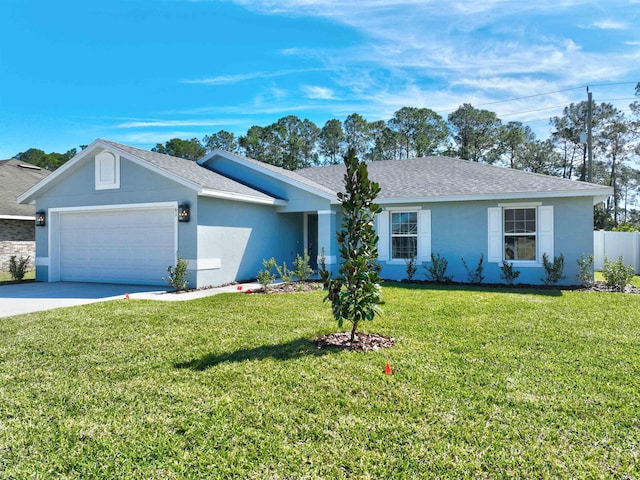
column 486, row 384
column 6, row 276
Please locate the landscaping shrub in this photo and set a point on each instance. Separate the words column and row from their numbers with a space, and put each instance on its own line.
column 617, row 274
column 302, row 269
column 438, row 268
column 266, row 277
column 585, row 270
column 508, row 273
column 284, row 273
column 178, row 276
column 553, row 271
column 475, row 275
column 18, row 267
column 412, row 268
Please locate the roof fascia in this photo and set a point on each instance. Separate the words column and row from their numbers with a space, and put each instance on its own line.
column 17, row 217
column 241, row 198
column 267, row 172
column 597, row 194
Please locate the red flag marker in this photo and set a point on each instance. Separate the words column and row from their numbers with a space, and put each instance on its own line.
column 387, row 369
column 239, row 287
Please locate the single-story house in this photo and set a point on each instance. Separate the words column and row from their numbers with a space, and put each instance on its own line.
column 115, row 213
column 17, row 222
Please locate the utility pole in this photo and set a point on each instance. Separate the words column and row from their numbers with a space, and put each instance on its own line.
column 589, row 148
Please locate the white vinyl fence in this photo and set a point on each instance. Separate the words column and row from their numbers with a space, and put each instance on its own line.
column 613, row 245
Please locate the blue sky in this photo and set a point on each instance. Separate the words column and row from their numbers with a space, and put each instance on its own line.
column 141, row 72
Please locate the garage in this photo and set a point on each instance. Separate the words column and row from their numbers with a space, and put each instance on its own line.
column 123, row 245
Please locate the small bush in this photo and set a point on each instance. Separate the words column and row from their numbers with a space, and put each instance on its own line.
column 266, row 277
column 178, row 276
column 302, row 269
column 475, row 275
column 412, row 268
column 18, row 267
column 284, row 273
column 438, row 268
column 553, row 271
column 585, row 270
column 617, row 274
column 508, row 273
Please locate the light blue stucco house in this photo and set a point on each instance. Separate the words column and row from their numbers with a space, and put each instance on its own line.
column 119, row 214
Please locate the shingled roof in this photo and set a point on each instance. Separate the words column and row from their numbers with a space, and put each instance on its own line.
column 446, row 178
column 16, row 177
column 190, row 171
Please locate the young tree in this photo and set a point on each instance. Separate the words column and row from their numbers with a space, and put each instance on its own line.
column 355, row 294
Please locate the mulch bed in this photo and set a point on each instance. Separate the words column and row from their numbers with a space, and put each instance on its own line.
column 603, row 287
column 290, row 287
column 362, row 342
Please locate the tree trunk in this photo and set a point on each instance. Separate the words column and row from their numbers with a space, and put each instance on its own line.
column 353, row 331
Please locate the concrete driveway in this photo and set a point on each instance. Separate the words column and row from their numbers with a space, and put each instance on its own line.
column 36, row 296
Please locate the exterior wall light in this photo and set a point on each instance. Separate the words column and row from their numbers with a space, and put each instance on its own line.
column 41, row 219
column 184, row 212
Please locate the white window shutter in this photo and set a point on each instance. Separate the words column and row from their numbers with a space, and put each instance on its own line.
column 494, row 254
column 545, row 231
column 424, row 236
column 382, row 220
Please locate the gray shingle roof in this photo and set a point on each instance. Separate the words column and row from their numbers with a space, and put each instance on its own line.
column 190, row 171
column 294, row 176
column 449, row 177
column 16, row 177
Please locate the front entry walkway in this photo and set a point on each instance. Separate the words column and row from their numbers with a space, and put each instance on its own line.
column 28, row 297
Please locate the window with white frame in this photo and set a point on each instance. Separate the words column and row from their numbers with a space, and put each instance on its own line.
column 404, row 235
column 520, row 232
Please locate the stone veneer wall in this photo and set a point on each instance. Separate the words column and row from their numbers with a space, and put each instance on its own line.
column 17, row 237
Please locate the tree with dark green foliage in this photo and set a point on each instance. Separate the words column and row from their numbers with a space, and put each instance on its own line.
column 48, row 161
column 332, row 141
column 476, row 133
column 355, row 293
column 176, row 147
column 421, row 131
column 222, row 140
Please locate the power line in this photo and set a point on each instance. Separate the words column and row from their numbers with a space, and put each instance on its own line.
column 545, row 93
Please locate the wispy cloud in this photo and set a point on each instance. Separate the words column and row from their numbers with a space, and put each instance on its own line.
column 172, row 123
column 243, row 77
column 609, row 24
column 316, row 92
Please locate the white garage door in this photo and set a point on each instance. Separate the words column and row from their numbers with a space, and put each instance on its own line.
column 117, row 246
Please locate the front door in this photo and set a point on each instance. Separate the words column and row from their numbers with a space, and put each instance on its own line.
column 312, row 239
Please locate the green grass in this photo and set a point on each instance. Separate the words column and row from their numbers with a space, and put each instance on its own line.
column 6, row 276
column 635, row 281
column 487, row 384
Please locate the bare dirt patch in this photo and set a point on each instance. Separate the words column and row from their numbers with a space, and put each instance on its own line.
column 362, row 341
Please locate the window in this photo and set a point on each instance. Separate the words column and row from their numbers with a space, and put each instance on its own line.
column 520, row 234
column 404, row 235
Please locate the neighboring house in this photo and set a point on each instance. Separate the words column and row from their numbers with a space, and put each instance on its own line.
column 17, row 222
column 120, row 214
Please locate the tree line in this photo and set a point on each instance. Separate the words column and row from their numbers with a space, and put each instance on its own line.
column 469, row 133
